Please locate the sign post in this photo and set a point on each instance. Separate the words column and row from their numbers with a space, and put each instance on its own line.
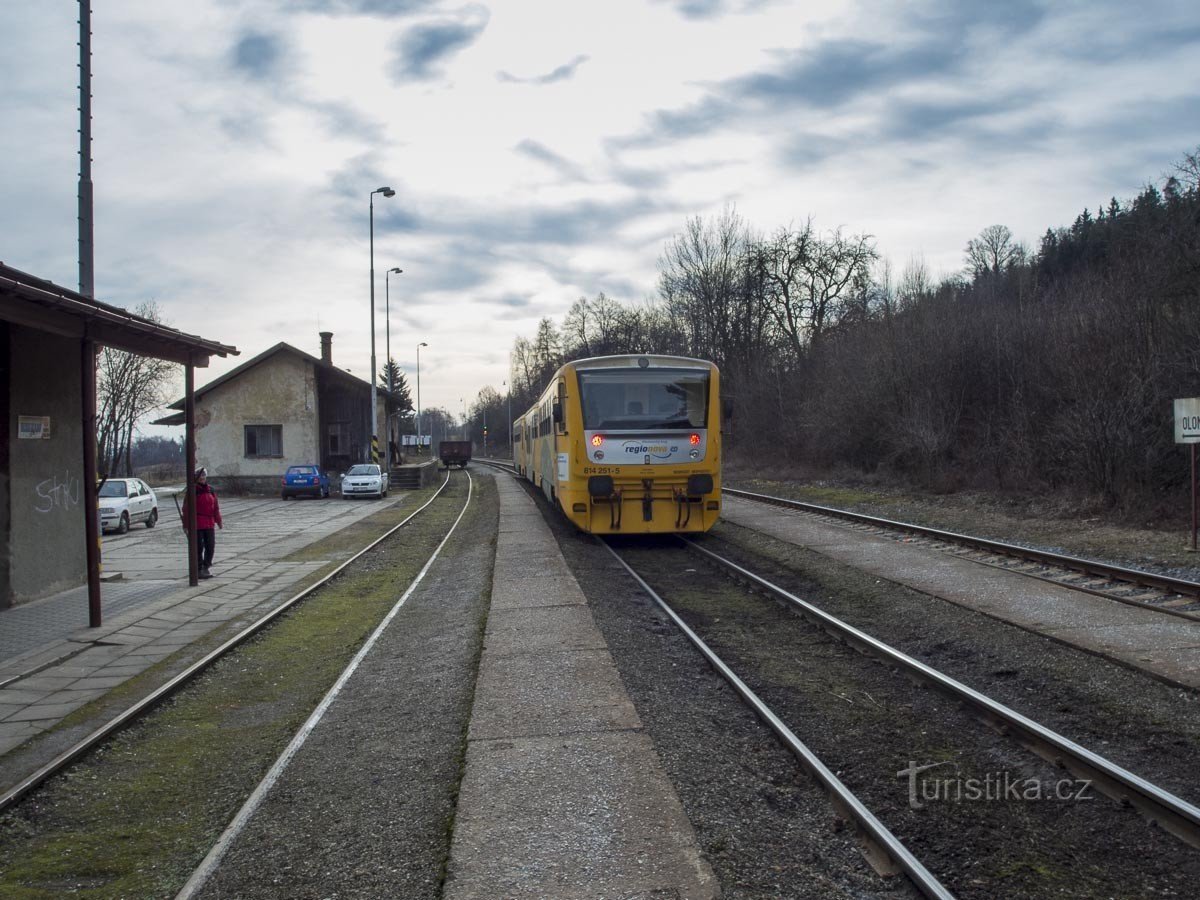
column 1187, row 431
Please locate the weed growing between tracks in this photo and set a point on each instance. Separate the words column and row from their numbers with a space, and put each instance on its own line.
column 138, row 814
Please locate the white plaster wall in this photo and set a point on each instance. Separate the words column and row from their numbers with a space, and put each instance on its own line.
column 281, row 390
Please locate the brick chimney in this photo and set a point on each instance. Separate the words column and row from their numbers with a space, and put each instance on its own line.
column 327, row 347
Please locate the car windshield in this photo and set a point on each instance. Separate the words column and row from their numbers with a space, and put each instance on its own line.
column 366, row 469
column 644, row 398
column 302, row 470
column 114, row 489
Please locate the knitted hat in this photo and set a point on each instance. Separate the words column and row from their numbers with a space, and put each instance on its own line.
column 202, row 472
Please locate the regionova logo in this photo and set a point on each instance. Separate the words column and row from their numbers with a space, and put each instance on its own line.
column 658, row 451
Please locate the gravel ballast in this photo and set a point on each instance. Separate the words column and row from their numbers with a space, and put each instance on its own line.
column 1049, row 836
column 764, row 826
column 365, row 808
column 1137, row 721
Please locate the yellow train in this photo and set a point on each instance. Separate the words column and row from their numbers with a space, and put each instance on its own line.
column 627, row 444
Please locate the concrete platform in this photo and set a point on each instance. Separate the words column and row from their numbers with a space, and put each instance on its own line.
column 1167, row 647
column 52, row 663
column 564, row 796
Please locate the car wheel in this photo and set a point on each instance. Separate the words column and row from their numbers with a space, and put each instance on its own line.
column 283, row 496
column 123, row 525
column 152, row 519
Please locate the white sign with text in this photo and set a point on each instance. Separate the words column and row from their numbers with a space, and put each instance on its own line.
column 1187, row 421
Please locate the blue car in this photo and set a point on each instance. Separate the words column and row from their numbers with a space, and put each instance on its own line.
column 305, row 481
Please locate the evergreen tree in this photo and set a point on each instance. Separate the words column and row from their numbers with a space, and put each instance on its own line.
column 399, row 385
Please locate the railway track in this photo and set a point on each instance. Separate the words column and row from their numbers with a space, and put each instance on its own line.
column 147, row 704
column 885, row 850
column 1147, row 590
column 1135, row 587
column 212, row 860
column 1158, row 806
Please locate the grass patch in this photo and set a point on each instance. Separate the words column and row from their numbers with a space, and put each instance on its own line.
column 1023, row 869
column 336, row 548
column 135, row 817
column 348, row 541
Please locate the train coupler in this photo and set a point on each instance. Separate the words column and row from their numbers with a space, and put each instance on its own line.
column 648, row 500
column 683, row 507
column 602, row 490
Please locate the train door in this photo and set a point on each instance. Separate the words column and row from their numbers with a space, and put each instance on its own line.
column 560, row 448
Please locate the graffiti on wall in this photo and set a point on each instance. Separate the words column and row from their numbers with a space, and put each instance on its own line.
column 54, row 493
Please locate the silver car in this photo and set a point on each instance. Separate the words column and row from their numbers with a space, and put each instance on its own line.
column 365, row 480
column 124, row 501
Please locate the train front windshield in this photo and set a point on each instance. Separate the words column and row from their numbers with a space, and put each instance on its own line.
column 644, row 399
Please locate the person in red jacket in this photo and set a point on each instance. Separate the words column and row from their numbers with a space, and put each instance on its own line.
column 208, row 515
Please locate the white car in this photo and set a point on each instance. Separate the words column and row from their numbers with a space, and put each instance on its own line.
column 365, row 480
column 124, row 501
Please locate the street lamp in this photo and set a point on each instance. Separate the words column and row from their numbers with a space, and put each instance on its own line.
column 387, row 356
column 387, row 192
column 419, row 346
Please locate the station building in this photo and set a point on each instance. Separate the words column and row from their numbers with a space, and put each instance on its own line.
column 283, row 408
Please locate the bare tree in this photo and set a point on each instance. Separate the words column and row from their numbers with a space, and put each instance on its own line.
column 701, row 279
column 521, row 368
column 577, row 329
column 809, row 281
column 994, row 251
column 915, row 283
column 610, row 320
column 128, row 386
column 1188, row 170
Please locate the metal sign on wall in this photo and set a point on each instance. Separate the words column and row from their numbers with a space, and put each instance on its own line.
column 1187, row 421
column 35, row 428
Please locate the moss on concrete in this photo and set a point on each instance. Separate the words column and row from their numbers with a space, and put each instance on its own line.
column 136, row 816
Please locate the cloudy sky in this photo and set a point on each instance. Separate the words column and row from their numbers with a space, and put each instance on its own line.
column 541, row 150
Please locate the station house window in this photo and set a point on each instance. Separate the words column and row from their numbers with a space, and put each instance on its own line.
column 264, row 441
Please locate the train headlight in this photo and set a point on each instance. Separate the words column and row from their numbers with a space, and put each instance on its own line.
column 695, row 454
column 597, row 440
column 599, row 454
column 694, row 440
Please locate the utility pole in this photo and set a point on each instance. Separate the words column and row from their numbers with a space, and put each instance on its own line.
column 87, row 278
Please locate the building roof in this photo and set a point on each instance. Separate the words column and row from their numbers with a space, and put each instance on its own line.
column 281, row 347
column 43, row 305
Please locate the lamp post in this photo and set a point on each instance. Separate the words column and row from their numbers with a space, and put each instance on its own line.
column 419, row 346
column 387, row 192
column 387, row 357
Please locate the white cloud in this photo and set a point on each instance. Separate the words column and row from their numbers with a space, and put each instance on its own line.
column 542, row 150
